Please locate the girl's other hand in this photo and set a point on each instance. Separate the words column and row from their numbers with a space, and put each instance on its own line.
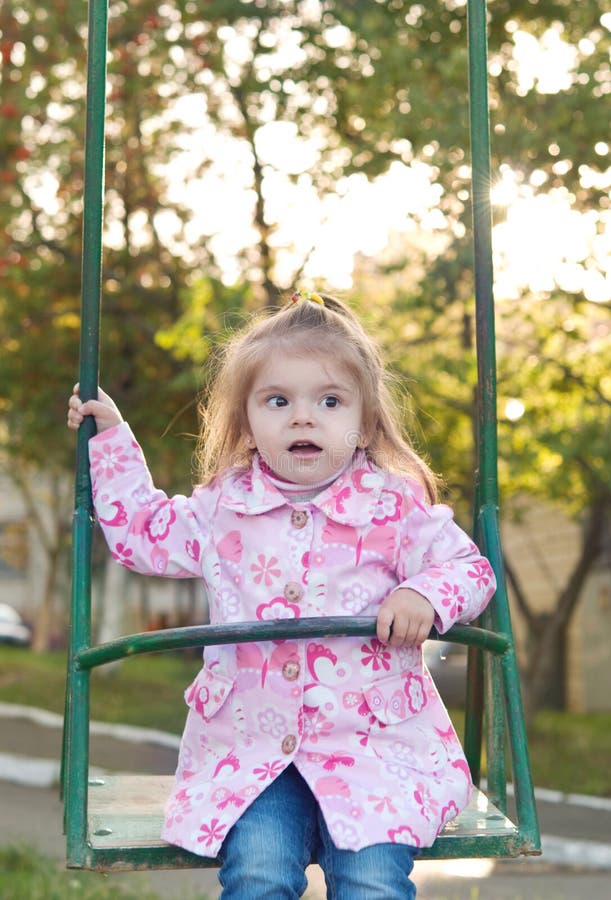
column 405, row 617
column 103, row 410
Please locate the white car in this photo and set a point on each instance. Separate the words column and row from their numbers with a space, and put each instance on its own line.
column 13, row 630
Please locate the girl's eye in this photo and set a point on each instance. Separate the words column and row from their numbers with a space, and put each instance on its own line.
column 330, row 402
column 276, row 402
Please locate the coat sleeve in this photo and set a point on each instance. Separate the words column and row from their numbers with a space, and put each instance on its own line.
column 145, row 530
column 440, row 561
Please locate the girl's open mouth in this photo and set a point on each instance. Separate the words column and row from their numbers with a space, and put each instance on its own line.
column 304, row 448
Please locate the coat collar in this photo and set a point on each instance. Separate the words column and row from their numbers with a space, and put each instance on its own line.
column 351, row 499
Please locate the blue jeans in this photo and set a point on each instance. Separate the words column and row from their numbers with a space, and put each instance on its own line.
column 265, row 854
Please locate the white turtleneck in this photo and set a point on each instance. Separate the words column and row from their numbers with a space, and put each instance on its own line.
column 302, row 493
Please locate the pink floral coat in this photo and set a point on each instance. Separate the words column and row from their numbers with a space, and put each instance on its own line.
column 361, row 721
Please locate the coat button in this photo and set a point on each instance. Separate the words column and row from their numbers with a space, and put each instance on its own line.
column 289, row 743
column 293, row 592
column 291, row 670
column 299, row 517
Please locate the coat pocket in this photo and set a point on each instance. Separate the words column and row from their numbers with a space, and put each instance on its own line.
column 396, row 698
column 208, row 692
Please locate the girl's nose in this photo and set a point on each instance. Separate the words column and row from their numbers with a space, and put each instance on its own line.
column 302, row 414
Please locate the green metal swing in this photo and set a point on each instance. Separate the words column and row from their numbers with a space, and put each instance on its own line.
column 114, row 822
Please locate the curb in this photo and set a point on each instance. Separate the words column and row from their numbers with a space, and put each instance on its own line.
column 135, row 734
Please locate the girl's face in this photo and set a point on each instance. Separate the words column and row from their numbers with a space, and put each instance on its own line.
column 304, row 417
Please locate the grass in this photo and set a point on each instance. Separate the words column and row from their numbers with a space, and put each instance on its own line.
column 25, row 874
column 145, row 690
column 569, row 752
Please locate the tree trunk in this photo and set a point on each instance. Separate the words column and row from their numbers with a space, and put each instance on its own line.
column 45, row 498
column 43, row 628
column 544, row 674
column 112, row 606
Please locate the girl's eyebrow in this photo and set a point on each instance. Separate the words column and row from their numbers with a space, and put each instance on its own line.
column 321, row 388
column 270, row 389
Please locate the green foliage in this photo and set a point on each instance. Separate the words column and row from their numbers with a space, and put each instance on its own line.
column 372, row 83
column 554, row 355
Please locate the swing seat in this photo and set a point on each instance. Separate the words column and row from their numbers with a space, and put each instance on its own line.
column 126, row 816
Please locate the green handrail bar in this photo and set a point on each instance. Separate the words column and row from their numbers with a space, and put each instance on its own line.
column 493, row 634
column 273, row 630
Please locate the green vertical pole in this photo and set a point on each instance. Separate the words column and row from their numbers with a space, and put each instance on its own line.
column 486, row 486
column 482, row 241
column 518, row 741
column 497, row 617
column 76, row 764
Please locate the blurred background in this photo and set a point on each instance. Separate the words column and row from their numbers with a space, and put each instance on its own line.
column 255, row 147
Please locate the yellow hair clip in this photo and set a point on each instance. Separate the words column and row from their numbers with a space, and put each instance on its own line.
column 307, row 295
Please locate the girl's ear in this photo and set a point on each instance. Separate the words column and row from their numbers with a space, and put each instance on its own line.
column 249, row 441
column 364, row 438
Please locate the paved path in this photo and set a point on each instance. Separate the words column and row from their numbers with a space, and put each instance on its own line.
column 577, row 830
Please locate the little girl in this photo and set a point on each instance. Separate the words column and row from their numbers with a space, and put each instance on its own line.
column 311, row 503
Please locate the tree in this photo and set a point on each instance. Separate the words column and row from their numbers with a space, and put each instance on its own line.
column 554, row 347
column 293, row 100
column 555, row 358
column 41, row 152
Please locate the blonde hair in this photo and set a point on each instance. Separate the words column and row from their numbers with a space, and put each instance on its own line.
column 303, row 329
